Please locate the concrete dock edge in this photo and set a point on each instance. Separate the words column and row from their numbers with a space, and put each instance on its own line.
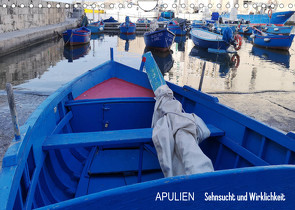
column 13, row 41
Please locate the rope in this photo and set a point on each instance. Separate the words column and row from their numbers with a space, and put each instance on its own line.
column 69, row 38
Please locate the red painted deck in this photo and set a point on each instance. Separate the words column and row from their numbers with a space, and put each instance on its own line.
column 115, row 88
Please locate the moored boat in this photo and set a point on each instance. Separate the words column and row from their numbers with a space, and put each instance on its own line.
column 89, row 145
column 159, row 39
column 96, row 27
column 272, row 41
column 127, row 27
column 213, row 41
column 179, row 29
column 276, row 18
column 273, row 29
column 110, row 20
column 77, row 36
column 245, row 29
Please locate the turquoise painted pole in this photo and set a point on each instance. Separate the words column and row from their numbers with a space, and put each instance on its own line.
column 154, row 74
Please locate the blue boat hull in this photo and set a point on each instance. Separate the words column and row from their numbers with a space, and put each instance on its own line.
column 177, row 30
column 278, row 18
column 110, row 20
column 280, row 42
column 283, row 30
column 96, row 28
column 161, row 39
column 206, row 44
column 78, row 154
column 245, row 29
column 127, row 29
column 77, row 36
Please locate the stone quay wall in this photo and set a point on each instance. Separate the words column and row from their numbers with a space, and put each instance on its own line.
column 17, row 14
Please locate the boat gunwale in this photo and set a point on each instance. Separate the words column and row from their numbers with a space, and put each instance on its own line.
column 202, row 38
column 158, row 183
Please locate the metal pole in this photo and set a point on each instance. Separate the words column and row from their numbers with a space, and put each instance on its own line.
column 202, row 76
column 112, row 54
column 13, row 113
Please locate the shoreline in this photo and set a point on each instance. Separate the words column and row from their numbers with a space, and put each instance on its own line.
column 11, row 42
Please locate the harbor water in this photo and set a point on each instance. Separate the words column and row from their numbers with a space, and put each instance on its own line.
column 44, row 68
column 257, row 82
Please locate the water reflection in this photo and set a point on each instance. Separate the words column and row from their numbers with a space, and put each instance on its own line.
column 30, row 63
column 97, row 37
column 225, row 61
column 180, row 40
column 276, row 56
column 163, row 59
column 43, row 68
column 75, row 52
column 127, row 38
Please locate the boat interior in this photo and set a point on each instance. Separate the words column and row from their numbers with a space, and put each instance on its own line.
column 95, row 134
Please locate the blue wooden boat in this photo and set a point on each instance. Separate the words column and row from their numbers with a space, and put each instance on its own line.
column 273, row 29
column 176, row 28
column 209, row 40
column 96, row 27
column 220, row 28
column 76, row 153
column 245, row 29
column 197, row 24
column 75, row 52
column 110, row 20
column 127, row 27
column 161, row 19
column 160, row 39
column 143, row 20
column 272, row 41
column 77, row 36
column 167, row 14
column 277, row 18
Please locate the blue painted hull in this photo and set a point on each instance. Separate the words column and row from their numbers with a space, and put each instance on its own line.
column 283, row 30
column 161, row 40
column 206, row 44
column 221, row 28
column 278, row 18
column 128, row 28
column 77, row 36
column 245, row 29
column 110, row 20
column 177, row 30
column 279, row 42
column 96, row 28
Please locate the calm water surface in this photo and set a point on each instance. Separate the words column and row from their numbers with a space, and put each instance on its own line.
column 46, row 67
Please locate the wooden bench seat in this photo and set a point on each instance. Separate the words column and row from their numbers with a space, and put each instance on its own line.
column 107, row 138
